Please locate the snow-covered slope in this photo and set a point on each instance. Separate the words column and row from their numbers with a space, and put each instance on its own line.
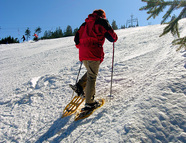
column 149, row 89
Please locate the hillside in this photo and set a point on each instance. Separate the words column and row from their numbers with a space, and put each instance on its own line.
column 149, row 89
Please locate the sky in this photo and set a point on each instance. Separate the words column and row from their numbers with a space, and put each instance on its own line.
column 18, row 15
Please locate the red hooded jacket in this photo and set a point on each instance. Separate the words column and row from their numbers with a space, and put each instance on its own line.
column 91, row 36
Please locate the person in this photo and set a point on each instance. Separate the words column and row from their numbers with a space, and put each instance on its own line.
column 23, row 38
column 89, row 39
column 35, row 37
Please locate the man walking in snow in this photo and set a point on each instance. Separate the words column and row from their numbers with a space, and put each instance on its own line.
column 23, row 38
column 89, row 39
column 35, row 37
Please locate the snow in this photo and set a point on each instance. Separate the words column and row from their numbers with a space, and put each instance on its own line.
column 149, row 89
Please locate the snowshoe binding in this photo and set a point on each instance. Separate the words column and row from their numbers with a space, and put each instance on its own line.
column 89, row 109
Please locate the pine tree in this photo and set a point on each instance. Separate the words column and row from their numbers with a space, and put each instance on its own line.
column 50, row 35
column 114, row 26
column 9, row 40
column 75, row 30
column 27, row 33
column 122, row 26
column 38, row 30
column 58, row 33
column 68, row 31
column 155, row 7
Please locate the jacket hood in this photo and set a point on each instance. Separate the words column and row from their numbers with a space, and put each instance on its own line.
column 92, row 17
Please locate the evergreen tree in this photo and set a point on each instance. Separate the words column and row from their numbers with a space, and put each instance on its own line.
column 75, row 30
column 154, row 8
column 114, row 26
column 58, row 33
column 122, row 26
column 27, row 33
column 47, row 35
column 38, row 30
column 50, row 35
column 68, row 31
column 9, row 40
column 137, row 24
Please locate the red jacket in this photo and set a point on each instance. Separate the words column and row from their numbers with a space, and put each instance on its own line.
column 91, row 36
column 35, row 35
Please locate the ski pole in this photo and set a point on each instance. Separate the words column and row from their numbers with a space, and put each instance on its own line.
column 79, row 72
column 112, row 73
column 77, row 77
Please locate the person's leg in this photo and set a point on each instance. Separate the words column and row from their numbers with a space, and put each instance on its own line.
column 80, row 85
column 92, row 72
column 82, row 82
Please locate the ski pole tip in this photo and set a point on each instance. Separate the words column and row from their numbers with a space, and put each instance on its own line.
column 111, row 96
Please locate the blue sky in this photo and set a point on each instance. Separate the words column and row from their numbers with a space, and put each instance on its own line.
column 17, row 15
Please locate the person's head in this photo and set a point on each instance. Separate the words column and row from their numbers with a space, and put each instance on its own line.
column 100, row 12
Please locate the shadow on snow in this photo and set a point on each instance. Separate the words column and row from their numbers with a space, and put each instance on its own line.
column 58, row 128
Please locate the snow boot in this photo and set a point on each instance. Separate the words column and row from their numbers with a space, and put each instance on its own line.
column 78, row 89
column 89, row 109
column 90, row 106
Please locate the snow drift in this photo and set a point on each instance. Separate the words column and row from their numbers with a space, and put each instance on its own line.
column 149, row 89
